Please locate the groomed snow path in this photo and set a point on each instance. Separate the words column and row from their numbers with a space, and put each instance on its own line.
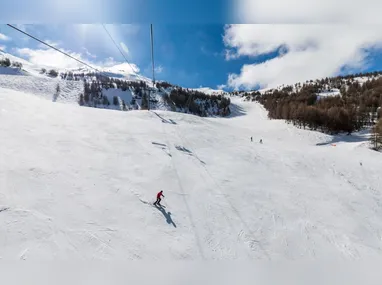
column 76, row 183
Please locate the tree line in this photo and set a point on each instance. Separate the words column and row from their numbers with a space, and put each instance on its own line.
column 93, row 97
column 199, row 103
column 6, row 62
column 355, row 107
column 186, row 100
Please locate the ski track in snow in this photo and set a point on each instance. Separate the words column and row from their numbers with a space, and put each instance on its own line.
column 197, row 236
column 209, row 180
column 44, row 87
column 74, row 183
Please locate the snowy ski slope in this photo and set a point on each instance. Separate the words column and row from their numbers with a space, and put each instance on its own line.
column 29, row 79
column 44, row 87
column 76, row 184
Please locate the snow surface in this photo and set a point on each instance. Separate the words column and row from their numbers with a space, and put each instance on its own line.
column 11, row 71
column 28, row 68
column 28, row 79
column 127, row 95
column 328, row 90
column 209, row 91
column 330, row 93
column 364, row 79
column 77, row 183
column 44, row 87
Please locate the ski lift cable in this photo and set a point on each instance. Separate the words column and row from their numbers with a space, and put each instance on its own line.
column 52, row 47
column 121, row 53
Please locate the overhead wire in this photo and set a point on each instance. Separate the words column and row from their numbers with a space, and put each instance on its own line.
column 64, row 53
column 152, row 51
column 78, row 60
column 123, row 55
column 152, row 55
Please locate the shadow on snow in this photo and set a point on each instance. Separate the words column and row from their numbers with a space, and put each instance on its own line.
column 358, row 137
column 189, row 152
column 182, row 148
column 165, row 120
column 167, row 215
column 236, row 111
column 162, row 147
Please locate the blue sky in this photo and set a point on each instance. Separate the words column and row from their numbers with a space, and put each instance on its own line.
column 211, row 55
column 188, row 55
column 277, row 42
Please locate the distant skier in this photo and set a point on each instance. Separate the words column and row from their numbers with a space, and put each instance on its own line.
column 160, row 193
column 251, row 139
column 261, row 140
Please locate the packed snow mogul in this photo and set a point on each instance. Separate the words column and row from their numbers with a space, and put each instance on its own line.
column 157, row 202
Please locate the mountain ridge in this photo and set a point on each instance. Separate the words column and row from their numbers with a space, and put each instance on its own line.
column 132, row 91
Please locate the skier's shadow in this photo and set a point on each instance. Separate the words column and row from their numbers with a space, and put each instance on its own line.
column 167, row 215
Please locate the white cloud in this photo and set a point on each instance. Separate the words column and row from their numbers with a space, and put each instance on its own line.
column 50, row 57
column 120, row 67
column 115, row 66
column 26, row 28
column 108, row 62
column 54, row 59
column 3, row 48
column 124, row 47
column 159, row 69
column 22, row 27
column 52, row 43
column 308, row 51
column 221, row 86
column 88, row 53
column 309, row 11
column 49, row 42
column 4, row 37
column 208, row 90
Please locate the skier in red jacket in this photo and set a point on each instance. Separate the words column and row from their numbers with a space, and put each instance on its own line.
column 160, row 193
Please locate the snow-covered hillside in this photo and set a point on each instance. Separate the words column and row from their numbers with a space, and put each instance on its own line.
column 327, row 86
column 210, row 91
column 77, row 183
column 109, row 88
column 43, row 86
column 331, row 92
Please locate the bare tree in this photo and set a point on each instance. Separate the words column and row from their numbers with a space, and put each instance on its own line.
column 376, row 136
column 58, row 90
